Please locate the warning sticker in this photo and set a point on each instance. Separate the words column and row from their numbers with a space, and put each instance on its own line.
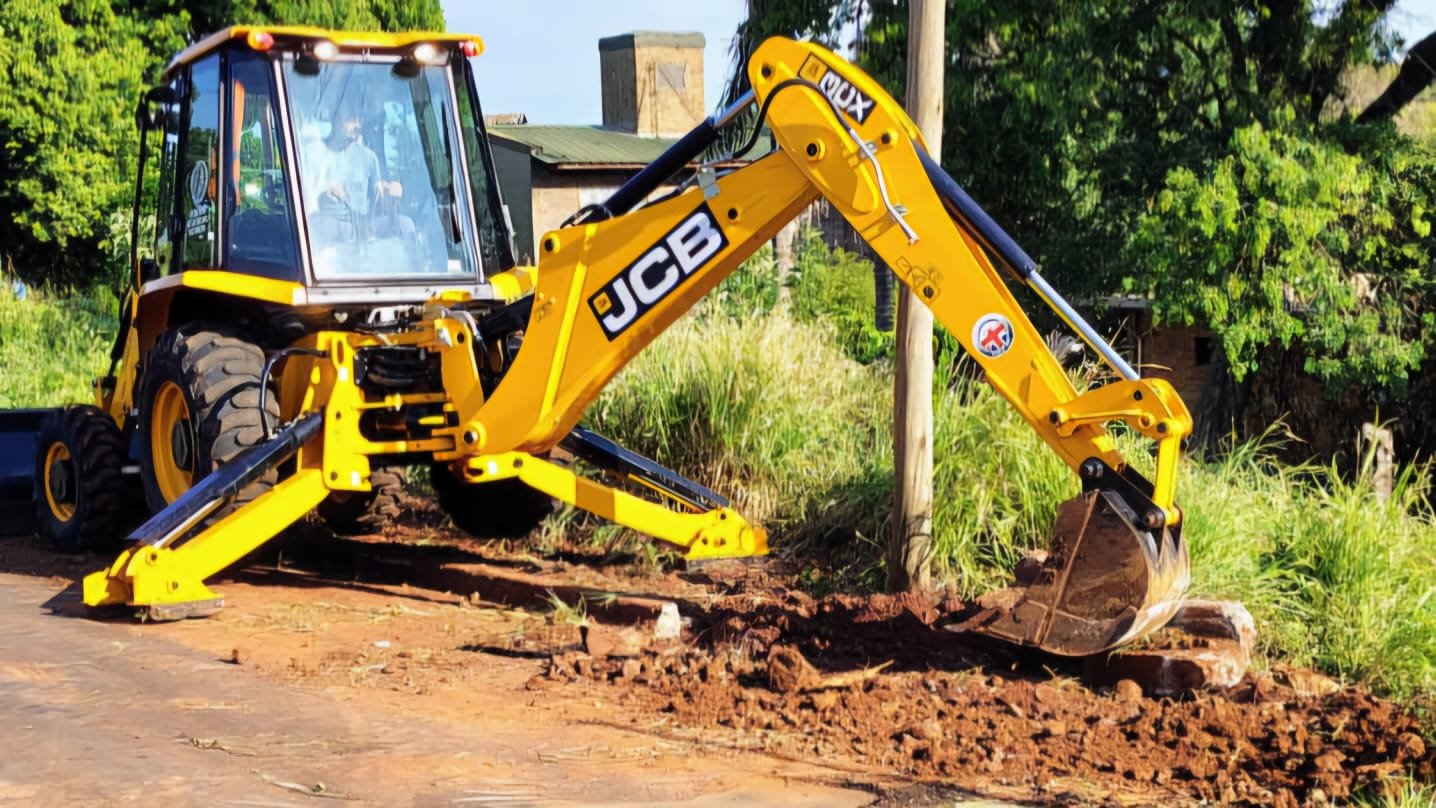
column 197, row 222
column 992, row 336
column 199, row 183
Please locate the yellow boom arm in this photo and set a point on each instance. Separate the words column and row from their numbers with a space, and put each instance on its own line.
column 607, row 289
column 1117, row 565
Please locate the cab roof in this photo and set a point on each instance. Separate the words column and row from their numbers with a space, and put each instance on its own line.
column 290, row 34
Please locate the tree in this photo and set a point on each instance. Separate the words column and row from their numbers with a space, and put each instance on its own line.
column 1189, row 152
column 352, row 15
column 1066, row 116
column 1292, row 241
column 71, row 74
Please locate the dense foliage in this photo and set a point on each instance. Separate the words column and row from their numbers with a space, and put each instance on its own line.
column 1294, row 240
column 71, row 74
column 1199, row 154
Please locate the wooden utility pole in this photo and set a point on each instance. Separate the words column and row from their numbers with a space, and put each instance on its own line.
column 910, row 545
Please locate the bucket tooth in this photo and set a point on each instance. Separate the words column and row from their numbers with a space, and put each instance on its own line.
column 1106, row 582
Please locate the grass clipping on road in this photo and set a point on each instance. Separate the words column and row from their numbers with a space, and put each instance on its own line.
column 768, row 410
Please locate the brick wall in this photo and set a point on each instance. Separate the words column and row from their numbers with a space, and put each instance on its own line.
column 1182, row 355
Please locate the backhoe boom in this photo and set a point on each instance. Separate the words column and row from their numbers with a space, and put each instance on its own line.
column 609, row 286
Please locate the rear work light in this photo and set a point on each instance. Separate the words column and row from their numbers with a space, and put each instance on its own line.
column 260, row 40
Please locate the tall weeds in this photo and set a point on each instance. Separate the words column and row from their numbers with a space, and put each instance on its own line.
column 51, row 347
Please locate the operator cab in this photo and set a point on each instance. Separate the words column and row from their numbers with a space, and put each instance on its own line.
column 353, row 165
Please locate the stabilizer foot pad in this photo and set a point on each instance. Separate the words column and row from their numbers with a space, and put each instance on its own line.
column 167, row 612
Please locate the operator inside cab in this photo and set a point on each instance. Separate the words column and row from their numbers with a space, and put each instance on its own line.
column 376, row 172
column 346, row 191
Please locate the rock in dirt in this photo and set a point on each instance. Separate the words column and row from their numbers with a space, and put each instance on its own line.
column 1310, row 684
column 1207, row 645
column 789, row 671
column 1218, row 619
column 602, row 639
column 1127, row 690
column 1029, row 567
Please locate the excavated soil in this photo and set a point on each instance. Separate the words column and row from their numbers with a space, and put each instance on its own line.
column 869, row 683
column 870, row 688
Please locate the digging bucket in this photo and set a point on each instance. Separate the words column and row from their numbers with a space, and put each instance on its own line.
column 1107, row 581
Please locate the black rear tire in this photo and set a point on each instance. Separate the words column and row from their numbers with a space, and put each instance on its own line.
column 503, row 509
column 217, row 372
column 85, row 501
column 351, row 512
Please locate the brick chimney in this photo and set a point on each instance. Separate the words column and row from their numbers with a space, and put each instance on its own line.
column 652, row 82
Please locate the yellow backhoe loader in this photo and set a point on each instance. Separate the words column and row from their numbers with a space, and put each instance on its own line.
column 331, row 293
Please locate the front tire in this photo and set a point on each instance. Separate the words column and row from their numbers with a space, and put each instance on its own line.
column 85, row 502
column 200, row 405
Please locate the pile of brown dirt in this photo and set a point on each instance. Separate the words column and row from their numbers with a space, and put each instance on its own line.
column 980, row 718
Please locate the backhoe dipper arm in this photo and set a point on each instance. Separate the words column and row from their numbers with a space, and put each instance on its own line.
column 607, row 288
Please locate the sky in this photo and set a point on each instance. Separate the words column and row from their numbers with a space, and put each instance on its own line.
column 541, row 56
column 1414, row 19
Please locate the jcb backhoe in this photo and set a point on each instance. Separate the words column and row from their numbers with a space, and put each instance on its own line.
column 332, row 293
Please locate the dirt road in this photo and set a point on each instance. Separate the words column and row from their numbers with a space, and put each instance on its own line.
column 103, row 713
column 388, row 671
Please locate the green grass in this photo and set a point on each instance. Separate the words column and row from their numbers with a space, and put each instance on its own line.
column 1400, row 794
column 1335, row 578
column 52, row 346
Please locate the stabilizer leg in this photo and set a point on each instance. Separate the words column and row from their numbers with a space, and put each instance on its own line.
column 719, row 532
column 169, row 581
column 164, row 571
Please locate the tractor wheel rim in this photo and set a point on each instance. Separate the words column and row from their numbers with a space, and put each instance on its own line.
column 60, row 482
column 172, row 444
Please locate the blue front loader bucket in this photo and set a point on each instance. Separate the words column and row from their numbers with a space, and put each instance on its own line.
column 19, row 438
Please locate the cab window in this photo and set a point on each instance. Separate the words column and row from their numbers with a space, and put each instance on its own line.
column 198, row 174
column 494, row 245
column 375, row 153
column 160, row 170
column 259, row 236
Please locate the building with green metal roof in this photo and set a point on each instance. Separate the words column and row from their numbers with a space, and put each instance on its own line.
column 652, row 94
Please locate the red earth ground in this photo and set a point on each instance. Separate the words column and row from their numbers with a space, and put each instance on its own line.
column 838, row 691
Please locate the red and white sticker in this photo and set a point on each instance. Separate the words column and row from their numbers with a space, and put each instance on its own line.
column 992, row 336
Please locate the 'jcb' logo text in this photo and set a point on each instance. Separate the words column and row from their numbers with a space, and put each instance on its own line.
column 658, row 272
column 848, row 99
